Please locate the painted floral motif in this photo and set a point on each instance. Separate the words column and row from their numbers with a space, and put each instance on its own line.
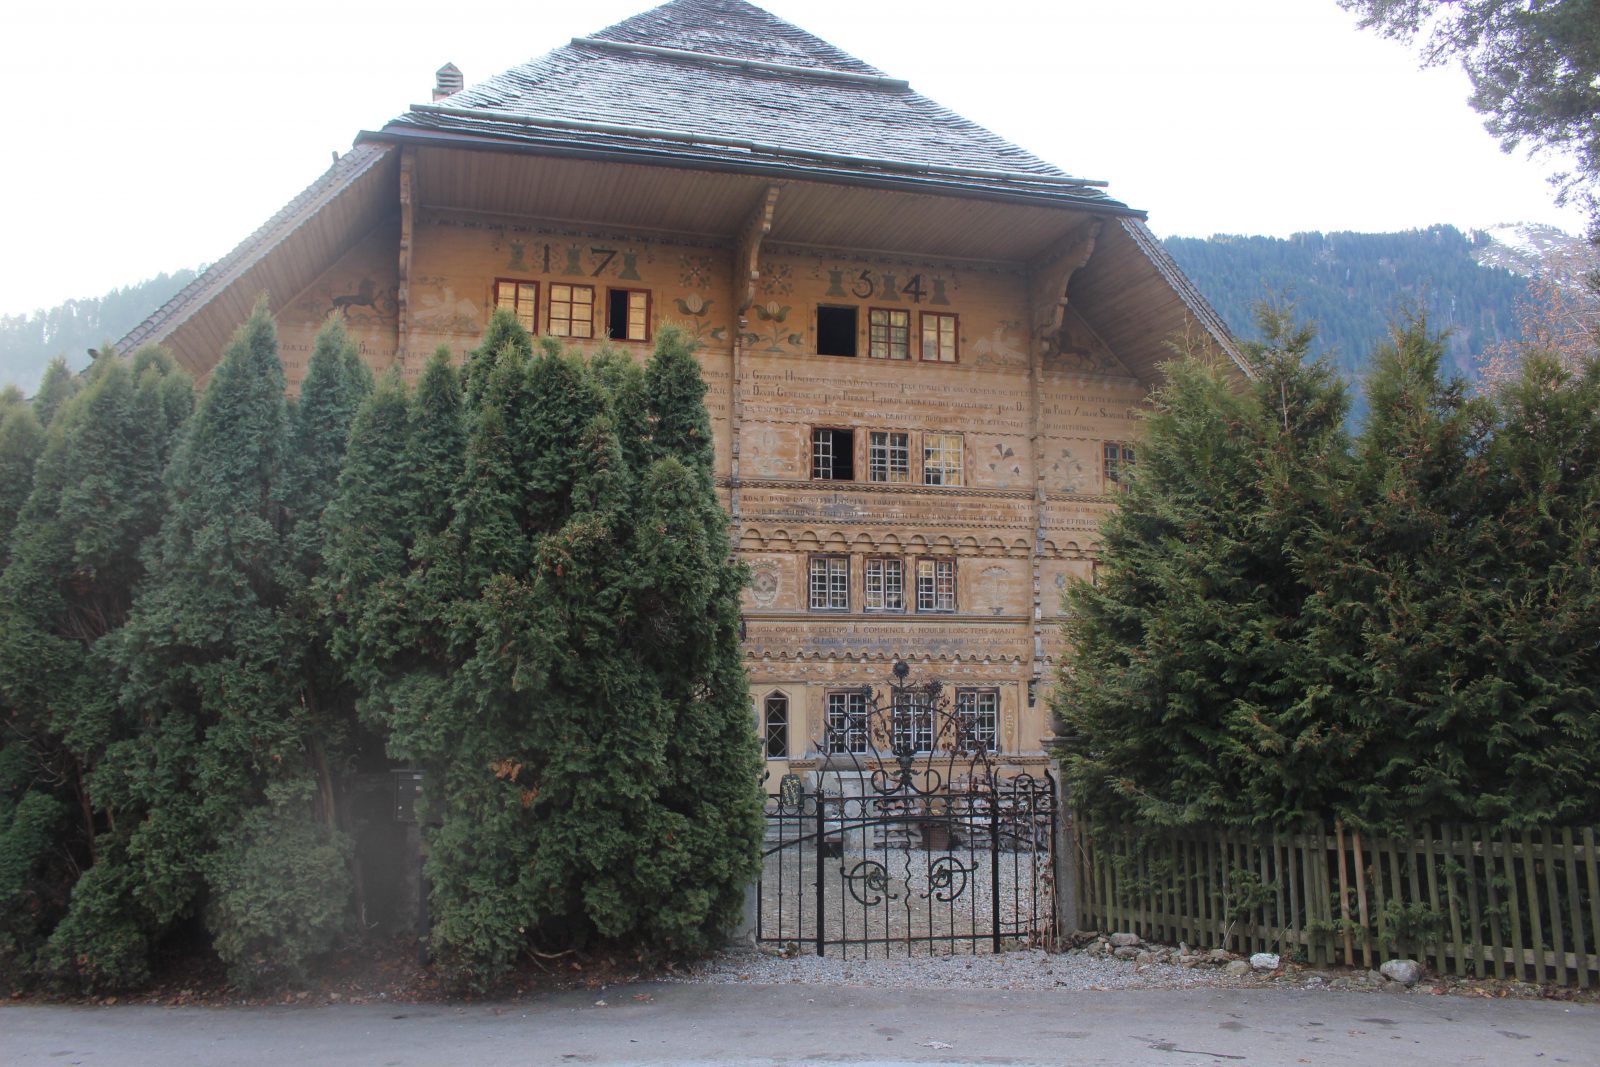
column 696, row 308
column 776, row 337
column 1004, row 463
column 695, row 272
column 777, row 280
column 1070, row 474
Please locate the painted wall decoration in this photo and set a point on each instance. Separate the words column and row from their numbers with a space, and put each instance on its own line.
column 1068, row 473
column 764, row 584
column 1002, row 347
column 773, row 332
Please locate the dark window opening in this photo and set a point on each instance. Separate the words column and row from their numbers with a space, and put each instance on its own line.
column 628, row 315
column 833, row 455
column 836, row 331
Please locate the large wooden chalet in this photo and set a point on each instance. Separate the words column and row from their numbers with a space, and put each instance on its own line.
column 925, row 346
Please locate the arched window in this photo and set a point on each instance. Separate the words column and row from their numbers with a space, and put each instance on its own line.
column 775, row 726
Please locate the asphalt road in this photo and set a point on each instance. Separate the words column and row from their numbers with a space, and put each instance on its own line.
column 702, row 1025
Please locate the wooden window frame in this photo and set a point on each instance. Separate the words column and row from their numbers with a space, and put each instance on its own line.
column 550, row 312
column 649, row 305
column 812, row 441
column 827, row 560
column 532, row 323
column 1113, row 468
column 888, row 479
column 975, row 729
column 872, row 342
column 922, row 336
column 937, row 561
column 960, row 467
column 911, row 723
column 883, row 607
column 767, row 723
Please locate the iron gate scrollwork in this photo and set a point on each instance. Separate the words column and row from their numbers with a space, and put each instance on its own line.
column 908, row 833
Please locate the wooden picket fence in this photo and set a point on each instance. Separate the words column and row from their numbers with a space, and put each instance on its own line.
column 1461, row 899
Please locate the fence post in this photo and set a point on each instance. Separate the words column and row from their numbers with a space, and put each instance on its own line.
column 1066, row 858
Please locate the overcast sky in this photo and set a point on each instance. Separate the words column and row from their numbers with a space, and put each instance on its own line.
column 150, row 136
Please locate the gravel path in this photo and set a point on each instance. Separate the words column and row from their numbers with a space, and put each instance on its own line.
column 1008, row 970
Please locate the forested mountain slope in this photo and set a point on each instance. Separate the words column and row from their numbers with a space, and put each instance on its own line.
column 1352, row 286
column 29, row 342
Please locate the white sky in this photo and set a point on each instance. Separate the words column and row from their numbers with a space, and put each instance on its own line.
column 155, row 135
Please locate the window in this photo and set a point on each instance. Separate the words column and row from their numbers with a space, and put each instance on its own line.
column 938, row 337
column 836, row 331
column 936, row 585
column 519, row 298
column 1119, row 464
column 886, row 585
column 830, row 583
column 978, row 712
column 888, row 456
column 941, row 459
column 833, row 454
column 912, row 723
column 775, row 726
column 628, row 314
column 847, row 722
column 572, row 310
column 888, row 333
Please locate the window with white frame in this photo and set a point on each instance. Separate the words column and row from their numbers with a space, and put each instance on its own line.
column 775, row 725
column 833, row 454
column 885, row 584
column 830, row 583
column 888, row 333
column 847, row 722
column 936, row 585
column 888, row 456
column 912, row 723
column 978, row 712
column 941, row 459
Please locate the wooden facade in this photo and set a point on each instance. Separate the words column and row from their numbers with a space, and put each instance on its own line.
column 924, row 383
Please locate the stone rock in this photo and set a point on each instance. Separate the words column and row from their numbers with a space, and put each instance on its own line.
column 1124, row 940
column 1238, row 969
column 1145, row 957
column 1125, row 952
column 1264, row 961
column 1406, row 972
column 1183, row 948
column 1221, row 954
column 1373, row 976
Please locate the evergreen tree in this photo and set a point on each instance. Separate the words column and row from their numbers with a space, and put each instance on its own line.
column 67, row 589
column 217, row 801
column 1185, row 691
column 57, row 387
column 21, row 441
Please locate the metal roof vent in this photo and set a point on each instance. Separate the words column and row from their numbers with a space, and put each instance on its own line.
column 447, row 82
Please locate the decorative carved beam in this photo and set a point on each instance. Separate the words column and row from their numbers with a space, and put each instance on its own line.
column 1048, row 277
column 746, row 269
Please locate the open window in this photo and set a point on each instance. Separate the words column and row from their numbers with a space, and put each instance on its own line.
column 836, row 330
column 628, row 314
column 833, row 455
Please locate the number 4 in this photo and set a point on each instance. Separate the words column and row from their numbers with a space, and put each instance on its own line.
column 913, row 289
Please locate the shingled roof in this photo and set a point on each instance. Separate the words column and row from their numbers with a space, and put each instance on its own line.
column 704, row 82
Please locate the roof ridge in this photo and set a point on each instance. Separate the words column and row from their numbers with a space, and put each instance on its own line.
column 735, row 29
column 880, row 81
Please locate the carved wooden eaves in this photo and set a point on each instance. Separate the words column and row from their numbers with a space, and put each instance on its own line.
column 745, row 268
column 1048, row 277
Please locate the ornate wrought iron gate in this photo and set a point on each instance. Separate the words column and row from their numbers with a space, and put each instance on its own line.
column 909, row 835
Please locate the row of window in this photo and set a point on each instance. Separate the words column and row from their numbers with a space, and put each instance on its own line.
column 977, row 713
column 888, row 455
column 884, row 584
column 888, row 333
column 570, row 309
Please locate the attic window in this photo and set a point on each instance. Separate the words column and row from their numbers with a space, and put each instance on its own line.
column 628, row 314
column 572, row 310
column 836, row 331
